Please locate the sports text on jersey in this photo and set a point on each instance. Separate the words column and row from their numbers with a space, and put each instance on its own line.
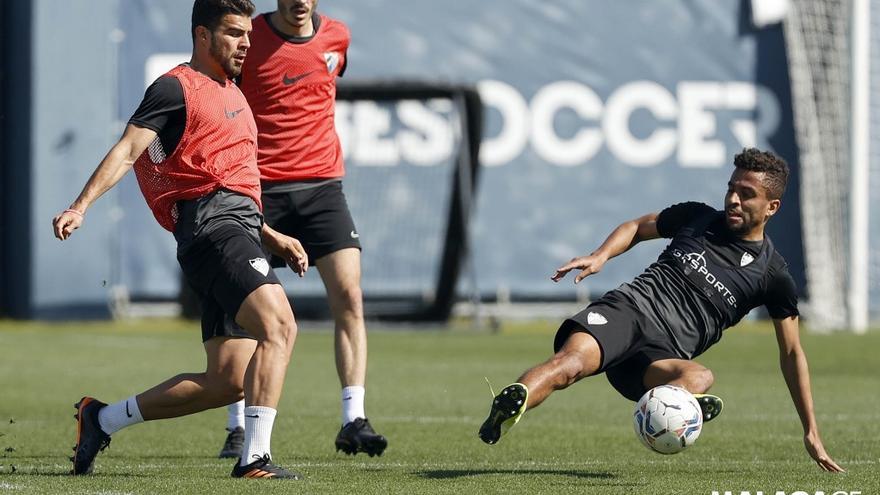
column 697, row 261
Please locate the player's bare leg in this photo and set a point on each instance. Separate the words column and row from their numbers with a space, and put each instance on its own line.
column 579, row 357
column 341, row 274
column 689, row 375
column 267, row 316
column 220, row 384
column 187, row 393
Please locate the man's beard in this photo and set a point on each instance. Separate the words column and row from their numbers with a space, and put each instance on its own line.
column 226, row 63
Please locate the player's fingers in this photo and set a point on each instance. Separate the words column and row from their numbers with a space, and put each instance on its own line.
column 56, row 228
column 586, row 272
column 64, row 228
column 833, row 466
column 68, row 229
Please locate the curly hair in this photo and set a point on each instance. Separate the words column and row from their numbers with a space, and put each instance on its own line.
column 209, row 13
column 775, row 169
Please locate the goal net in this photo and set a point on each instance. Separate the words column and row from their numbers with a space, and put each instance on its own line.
column 818, row 46
column 411, row 152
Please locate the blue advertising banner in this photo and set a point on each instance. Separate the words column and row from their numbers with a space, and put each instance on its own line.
column 597, row 112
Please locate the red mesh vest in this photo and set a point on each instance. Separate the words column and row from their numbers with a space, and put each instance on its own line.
column 291, row 88
column 218, row 149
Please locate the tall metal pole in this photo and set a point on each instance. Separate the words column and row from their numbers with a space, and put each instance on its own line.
column 859, row 192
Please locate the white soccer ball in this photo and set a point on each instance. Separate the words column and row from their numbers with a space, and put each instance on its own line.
column 668, row 419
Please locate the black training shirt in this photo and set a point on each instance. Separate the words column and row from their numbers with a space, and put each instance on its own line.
column 163, row 110
column 707, row 279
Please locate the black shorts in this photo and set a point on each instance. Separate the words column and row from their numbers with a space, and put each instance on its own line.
column 223, row 268
column 626, row 348
column 318, row 217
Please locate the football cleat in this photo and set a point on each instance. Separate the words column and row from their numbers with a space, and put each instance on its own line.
column 262, row 468
column 711, row 405
column 507, row 409
column 234, row 444
column 359, row 436
column 90, row 438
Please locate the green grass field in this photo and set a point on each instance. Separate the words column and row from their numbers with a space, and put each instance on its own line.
column 427, row 394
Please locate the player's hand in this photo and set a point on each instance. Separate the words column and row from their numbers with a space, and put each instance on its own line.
column 66, row 222
column 817, row 452
column 587, row 264
column 293, row 253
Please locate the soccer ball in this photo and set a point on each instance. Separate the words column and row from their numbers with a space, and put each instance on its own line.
column 668, row 419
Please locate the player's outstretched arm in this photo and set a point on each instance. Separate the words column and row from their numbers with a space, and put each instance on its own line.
column 110, row 171
column 797, row 376
column 287, row 248
column 625, row 236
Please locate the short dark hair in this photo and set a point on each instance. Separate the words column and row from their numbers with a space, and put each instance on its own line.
column 775, row 169
column 210, row 13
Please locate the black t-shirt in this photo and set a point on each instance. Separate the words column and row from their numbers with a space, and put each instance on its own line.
column 707, row 279
column 163, row 110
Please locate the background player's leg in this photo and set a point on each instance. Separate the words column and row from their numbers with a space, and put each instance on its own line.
column 341, row 273
column 579, row 357
column 188, row 393
column 689, row 375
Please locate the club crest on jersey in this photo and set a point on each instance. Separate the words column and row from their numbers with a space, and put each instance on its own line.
column 746, row 259
column 260, row 265
column 332, row 60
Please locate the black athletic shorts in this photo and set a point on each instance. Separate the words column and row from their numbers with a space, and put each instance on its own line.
column 223, row 268
column 318, row 217
column 627, row 349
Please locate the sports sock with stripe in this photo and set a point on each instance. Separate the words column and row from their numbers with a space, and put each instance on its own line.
column 119, row 415
column 258, row 421
column 352, row 403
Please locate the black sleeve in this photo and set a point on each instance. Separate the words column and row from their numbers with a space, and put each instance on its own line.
column 672, row 219
column 162, row 106
column 781, row 295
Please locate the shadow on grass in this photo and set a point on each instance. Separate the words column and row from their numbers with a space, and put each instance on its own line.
column 439, row 474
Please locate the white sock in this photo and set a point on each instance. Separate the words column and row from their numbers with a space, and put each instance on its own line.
column 236, row 415
column 117, row 416
column 353, row 403
column 258, row 421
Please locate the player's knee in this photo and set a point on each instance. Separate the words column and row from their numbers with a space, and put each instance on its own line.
column 570, row 366
column 700, row 380
column 706, row 379
column 280, row 332
column 226, row 388
column 351, row 299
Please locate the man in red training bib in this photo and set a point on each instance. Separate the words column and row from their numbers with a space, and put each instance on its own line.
column 193, row 145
